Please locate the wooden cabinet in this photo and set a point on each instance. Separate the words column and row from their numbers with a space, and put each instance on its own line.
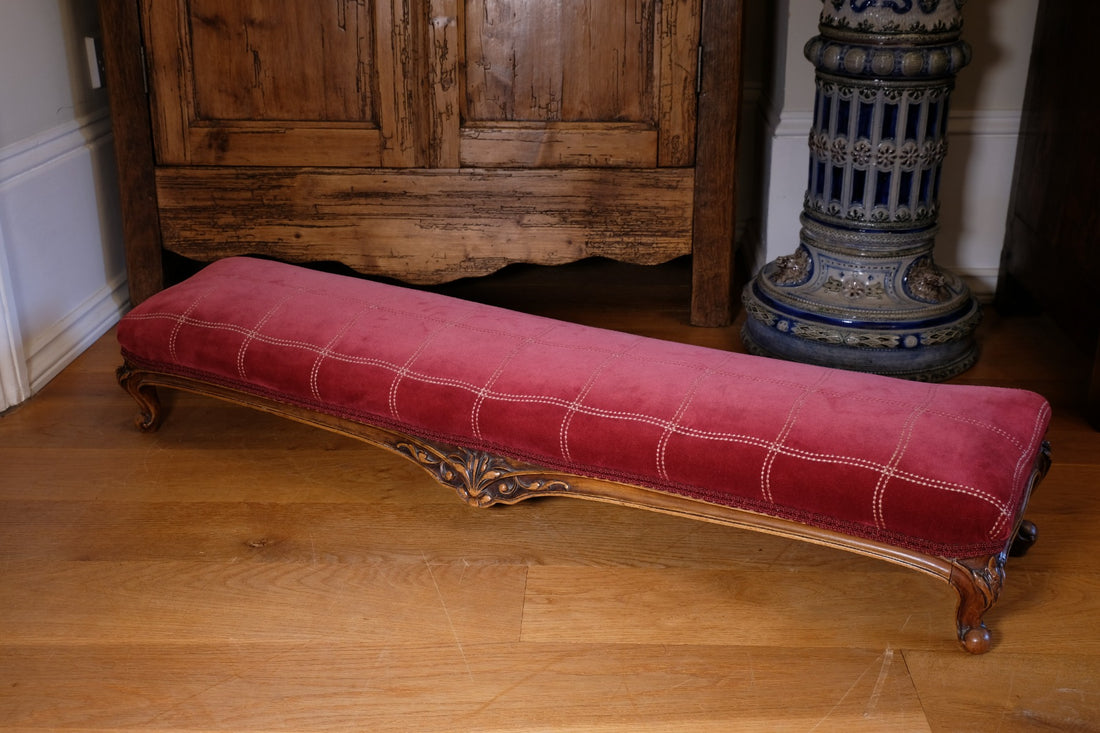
column 1051, row 253
column 428, row 140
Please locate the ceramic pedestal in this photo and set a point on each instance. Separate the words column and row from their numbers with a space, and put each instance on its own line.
column 863, row 291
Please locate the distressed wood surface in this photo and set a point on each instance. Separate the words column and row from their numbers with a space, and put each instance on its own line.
column 238, row 572
column 427, row 226
column 573, row 60
column 246, row 83
column 560, row 145
column 680, row 36
column 262, row 60
column 443, row 67
column 398, row 84
column 715, row 220
column 564, row 67
column 512, row 85
column 133, row 144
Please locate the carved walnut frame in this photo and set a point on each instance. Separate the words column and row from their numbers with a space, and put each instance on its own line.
column 482, row 479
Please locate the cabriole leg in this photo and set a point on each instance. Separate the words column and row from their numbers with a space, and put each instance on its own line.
column 144, row 394
column 978, row 581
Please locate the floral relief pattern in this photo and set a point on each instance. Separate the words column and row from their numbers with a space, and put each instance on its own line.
column 898, row 6
column 894, row 16
column 886, row 155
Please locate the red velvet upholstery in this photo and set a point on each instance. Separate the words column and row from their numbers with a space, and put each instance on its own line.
column 940, row 469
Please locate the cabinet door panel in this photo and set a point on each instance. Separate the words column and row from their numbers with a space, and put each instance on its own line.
column 571, row 60
column 413, row 83
column 267, row 82
column 578, row 82
column 305, row 63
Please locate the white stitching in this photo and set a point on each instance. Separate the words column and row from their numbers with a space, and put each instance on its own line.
column 1023, row 464
column 252, row 333
column 315, row 370
column 889, row 470
column 475, row 412
column 404, row 370
column 666, row 435
column 573, row 407
column 777, row 444
column 181, row 319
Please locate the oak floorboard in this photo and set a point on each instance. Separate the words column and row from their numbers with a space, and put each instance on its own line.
column 151, row 602
column 1035, row 691
column 439, row 686
column 872, row 607
column 239, row 572
column 559, row 532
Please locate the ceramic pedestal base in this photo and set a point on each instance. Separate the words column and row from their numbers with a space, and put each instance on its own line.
column 882, row 306
column 862, row 291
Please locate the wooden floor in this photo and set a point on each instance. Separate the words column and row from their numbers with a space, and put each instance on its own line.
column 235, row 572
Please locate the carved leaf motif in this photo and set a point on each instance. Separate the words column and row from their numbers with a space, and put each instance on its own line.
column 989, row 578
column 480, row 478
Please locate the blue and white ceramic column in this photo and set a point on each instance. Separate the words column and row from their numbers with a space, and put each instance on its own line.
column 863, row 291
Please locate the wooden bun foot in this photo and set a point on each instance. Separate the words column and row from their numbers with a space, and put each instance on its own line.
column 977, row 640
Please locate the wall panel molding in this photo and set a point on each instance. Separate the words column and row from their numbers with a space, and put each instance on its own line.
column 48, row 147
column 62, row 284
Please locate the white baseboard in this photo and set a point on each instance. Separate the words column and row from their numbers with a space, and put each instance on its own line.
column 981, row 281
column 55, row 349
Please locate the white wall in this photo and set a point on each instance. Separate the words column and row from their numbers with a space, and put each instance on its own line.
column 982, row 131
column 62, row 271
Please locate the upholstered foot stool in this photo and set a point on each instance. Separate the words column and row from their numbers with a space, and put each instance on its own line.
column 503, row 406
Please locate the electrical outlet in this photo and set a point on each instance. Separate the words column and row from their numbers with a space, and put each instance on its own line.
column 95, row 61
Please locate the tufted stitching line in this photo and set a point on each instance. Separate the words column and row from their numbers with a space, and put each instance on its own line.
column 674, row 423
column 404, row 371
column 774, row 448
column 890, row 469
column 180, row 319
column 251, row 334
column 326, row 351
column 1023, row 464
column 574, row 406
column 475, row 412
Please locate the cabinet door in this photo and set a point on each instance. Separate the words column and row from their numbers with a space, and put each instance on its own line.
column 270, row 82
column 577, row 83
column 411, row 83
column 429, row 140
